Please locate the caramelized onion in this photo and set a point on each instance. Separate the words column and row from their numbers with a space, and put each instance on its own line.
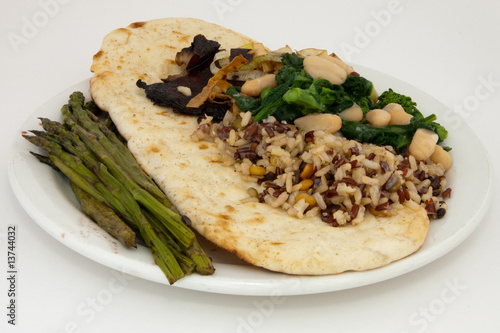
column 219, row 79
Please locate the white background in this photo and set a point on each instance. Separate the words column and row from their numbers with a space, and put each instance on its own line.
column 449, row 49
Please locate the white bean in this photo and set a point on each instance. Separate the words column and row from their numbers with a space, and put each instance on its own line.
column 398, row 114
column 255, row 86
column 326, row 122
column 354, row 113
column 339, row 62
column 392, row 106
column 318, row 67
column 441, row 156
column 423, row 144
column 378, row 117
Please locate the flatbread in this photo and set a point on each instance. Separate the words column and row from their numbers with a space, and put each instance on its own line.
column 210, row 193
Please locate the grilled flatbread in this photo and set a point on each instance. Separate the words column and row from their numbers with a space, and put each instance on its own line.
column 211, row 194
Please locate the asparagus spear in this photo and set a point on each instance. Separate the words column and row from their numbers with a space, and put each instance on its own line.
column 69, row 165
column 45, row 160
column 105, row 217
column 172, row 220
column 202, row 263
column 98, row 162
column 187, row 264
column 121, row 200
column 102, row 214
column 104, row 187
column 108, row 139
column 160, row 211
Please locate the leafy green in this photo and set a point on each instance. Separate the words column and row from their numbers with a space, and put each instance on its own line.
column 297, row 94
column 397, row 136
column 305, row 98
column 360, row 90
column 440, row 131
column 245, row 103
column 320, row 96
column 291, row 63
column 291, row 75
column 390, row 96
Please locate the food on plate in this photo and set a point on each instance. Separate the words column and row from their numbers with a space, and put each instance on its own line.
column 200, row 106
column 105, row 217
column 310, row 174
column 114, row 191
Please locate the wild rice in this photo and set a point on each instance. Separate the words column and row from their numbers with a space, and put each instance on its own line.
column 345, row 178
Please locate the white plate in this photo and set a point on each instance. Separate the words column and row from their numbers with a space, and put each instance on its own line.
column 47, row 198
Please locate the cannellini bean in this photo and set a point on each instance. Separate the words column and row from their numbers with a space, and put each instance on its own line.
column 337, row 61
column 326, row 122
column 441, row 156
column 399, row 117
column 354, row 113
column 392, row 106
column 423, row 144
column 255, row 86
column 318, row 67
column 398, row 114
column 378, row 117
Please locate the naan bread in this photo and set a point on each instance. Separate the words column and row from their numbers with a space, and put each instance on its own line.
column 210, row 193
